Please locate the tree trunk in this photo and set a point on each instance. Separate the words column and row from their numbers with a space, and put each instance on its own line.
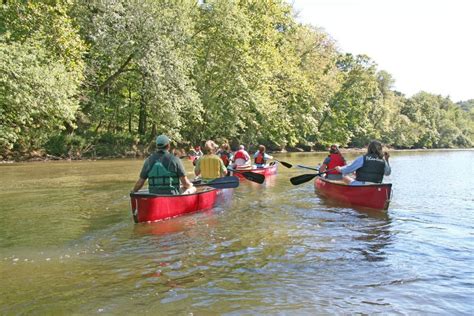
column 142, row 114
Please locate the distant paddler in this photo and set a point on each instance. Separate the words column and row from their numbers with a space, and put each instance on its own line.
column 261, row 157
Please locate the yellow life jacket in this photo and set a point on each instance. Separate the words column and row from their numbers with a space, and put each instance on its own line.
column 210, row 167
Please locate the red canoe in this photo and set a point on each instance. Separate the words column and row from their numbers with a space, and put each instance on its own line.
column 374, row 196
column 148, row 207
column 266, row 171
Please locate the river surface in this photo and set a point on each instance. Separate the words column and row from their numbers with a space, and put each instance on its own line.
column 68, row 244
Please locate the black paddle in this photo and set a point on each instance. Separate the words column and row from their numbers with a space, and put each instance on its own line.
column 221, row 183
column 286, row 164
column 249, row 175
column 305, row 167
column 306, row 177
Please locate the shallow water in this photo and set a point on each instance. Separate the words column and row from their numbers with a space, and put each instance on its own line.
column 68, row 244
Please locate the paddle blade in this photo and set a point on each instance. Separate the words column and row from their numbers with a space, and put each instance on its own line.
column 286, row 164
column 302, row 178
column 255, row 177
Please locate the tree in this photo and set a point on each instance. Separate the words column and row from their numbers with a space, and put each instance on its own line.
column 40, row 57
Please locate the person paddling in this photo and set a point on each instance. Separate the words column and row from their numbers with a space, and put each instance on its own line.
column 225, row 154
column 261, row 157
column 241, row 159
column 195, row 153
column 164, row 172
column 210, row 166
column 333, row 160
column 369, row 168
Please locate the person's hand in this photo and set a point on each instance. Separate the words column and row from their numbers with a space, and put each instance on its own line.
column 190, row 190
column 386, row 155
column 338, row 168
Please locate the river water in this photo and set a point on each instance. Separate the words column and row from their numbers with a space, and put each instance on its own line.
column 68, row 244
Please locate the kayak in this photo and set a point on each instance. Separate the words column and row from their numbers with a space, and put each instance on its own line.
column 148, row 207
column 266, row 171
column 373, row 196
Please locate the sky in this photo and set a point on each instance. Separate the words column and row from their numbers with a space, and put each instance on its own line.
column 426, row 45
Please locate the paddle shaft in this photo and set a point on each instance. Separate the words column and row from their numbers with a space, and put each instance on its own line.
column 221, row 183
column 307, row 177
column 310, row 168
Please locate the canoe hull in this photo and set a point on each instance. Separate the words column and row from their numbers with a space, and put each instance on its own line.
column 150, row 207
column 373, row 196
column 267, row 171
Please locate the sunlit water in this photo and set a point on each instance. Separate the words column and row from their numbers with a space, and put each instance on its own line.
column 68, row 244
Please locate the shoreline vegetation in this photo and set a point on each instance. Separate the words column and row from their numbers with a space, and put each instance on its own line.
column 182, row 152
column 90, row 79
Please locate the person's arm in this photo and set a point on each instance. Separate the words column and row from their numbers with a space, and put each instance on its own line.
column 223, row 168
column 267, row 156
column 189, row 188
column 185, row 183
column 356, row 164
column 325, row 164
column 388, row 169
column 197, row 167
column 138, row 185
column 143, row 176
column 323, row 168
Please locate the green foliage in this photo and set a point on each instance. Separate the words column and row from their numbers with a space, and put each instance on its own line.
column 100, row 77
column 36, row 94
column 66, row 145
column 41, row 65
column 111, row 145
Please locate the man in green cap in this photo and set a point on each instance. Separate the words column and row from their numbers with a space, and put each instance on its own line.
column 164, row 171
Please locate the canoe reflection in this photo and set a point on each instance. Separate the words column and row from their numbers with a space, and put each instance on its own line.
column 178, row 224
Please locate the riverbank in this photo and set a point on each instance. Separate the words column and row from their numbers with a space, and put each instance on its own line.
column 182, row 152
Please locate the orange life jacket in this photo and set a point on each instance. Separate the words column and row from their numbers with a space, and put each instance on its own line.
column 260, row 159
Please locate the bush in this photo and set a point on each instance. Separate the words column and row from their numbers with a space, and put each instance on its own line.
column 65, row 145
column 112, row 145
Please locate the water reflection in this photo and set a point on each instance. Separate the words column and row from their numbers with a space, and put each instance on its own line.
column 375, row 236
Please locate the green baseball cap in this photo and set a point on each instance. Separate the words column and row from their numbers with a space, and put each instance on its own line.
column 162, row 141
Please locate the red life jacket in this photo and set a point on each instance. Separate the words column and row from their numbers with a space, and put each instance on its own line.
column 260, row 159
column 225, row 158
column 336, row 160
column 240, row 154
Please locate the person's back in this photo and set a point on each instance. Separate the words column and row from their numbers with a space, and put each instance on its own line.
column 210, row 166
column 225, row 154
column 261, row 157
column 369, row 168
column 164, row 171
column 241, row 158
column 333, row 160
column 372, row 169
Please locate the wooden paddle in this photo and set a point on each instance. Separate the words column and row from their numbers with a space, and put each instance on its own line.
column 307, row 177
column 249, row 175
column 221, row 183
